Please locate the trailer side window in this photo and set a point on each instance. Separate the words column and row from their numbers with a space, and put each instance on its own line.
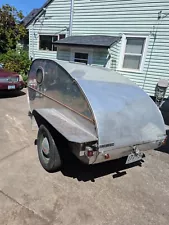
column 39, row 75
column 64, row 89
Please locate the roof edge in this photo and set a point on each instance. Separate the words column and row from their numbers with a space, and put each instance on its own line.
column 40, row 10
column 83, row 45
column 100, row 45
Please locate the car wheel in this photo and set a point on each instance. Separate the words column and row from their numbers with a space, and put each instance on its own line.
column 47, row 150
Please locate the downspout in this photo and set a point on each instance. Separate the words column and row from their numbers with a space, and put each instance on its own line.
column 33, row 36
column 71, row 17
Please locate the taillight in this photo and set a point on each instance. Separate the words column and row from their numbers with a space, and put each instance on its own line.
column 89, row 151
column 106, row 156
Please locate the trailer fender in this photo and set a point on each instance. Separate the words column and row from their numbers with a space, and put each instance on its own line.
column 66, row 127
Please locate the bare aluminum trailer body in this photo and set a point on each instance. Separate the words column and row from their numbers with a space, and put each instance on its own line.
column 101, row 113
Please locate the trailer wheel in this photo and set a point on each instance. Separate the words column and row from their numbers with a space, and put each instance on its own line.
column 47, row 150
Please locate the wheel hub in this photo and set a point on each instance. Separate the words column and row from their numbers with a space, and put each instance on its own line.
column 45, row 147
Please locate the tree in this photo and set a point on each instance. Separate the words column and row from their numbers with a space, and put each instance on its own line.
column 11, row 29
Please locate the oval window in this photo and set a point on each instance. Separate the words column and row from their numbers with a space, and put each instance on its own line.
column 39, row 75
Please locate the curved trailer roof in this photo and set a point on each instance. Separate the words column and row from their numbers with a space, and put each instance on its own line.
column 125, row 115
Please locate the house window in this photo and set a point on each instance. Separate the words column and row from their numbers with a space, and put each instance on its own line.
column 133, row 53
column 47, row 42
column 81, row 57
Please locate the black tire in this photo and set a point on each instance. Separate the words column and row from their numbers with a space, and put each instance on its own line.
column 50, row 158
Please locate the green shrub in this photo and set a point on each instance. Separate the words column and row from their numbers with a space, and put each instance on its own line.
column 16, row 61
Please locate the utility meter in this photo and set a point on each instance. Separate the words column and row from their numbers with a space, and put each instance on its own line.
column 160, row 91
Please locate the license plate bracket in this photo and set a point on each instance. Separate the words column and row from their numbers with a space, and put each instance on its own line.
column 133, row 157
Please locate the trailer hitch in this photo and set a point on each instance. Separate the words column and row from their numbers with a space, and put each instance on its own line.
column 137, row 152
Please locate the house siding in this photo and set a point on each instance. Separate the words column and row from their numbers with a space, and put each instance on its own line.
column 111, row 17
column 55, row 21
column 63, row 53
column 115, row 54
column 136, row 17
column 99, row 57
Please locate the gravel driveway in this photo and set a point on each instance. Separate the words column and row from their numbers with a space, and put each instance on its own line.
column 98, row 195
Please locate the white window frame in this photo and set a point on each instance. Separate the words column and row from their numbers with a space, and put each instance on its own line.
column 122, row 53
column 49, row 34
column 81, row 50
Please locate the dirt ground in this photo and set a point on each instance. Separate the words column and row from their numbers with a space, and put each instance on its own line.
column 105, row 194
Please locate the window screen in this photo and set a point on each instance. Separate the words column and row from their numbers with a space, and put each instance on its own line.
column 60, row 86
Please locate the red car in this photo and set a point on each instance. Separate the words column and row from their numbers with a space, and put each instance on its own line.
column 10, row 80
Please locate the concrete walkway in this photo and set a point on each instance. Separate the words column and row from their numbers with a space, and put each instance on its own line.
column 77, row 195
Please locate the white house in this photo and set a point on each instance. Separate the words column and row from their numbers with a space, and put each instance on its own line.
column 129, row 36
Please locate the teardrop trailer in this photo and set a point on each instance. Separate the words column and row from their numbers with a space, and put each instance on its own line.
column 100, row 114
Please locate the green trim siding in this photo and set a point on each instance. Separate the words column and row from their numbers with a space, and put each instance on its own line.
column 99, row 57
column 112, row 17
column 54, row 21
column 115, row 53
column 63, row 53
column 136, row 17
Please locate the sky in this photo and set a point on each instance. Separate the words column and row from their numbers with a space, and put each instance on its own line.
column 25, row 6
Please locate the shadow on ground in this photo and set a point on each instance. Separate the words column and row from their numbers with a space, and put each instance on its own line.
column 11, row 94
column 75, row 169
